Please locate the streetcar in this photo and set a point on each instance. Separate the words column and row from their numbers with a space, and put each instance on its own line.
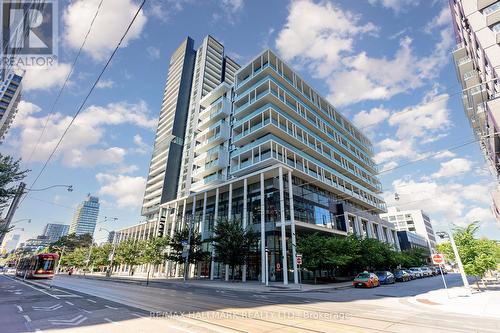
column 38, row 266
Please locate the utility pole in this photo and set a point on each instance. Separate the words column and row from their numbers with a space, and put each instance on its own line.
column 12, row 209
column 459, row 261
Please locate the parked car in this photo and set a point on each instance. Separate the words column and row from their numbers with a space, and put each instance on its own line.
column 426, row 271
column 417, row 271
column 366, row 279
column 385, row 277
column 413, row 276
column 402, row 276
column 435, row 270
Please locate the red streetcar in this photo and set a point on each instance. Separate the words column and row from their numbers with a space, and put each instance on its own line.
column 39, row 266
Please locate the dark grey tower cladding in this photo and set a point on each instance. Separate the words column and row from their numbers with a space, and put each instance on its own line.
column 165, row 163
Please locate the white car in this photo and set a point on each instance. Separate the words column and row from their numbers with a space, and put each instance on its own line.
column 417, row 271
column 426, row 271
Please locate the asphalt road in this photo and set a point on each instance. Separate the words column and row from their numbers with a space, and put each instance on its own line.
column 87, row 305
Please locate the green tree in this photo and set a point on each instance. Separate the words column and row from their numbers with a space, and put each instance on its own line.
column 314, row 252
column 130, row 252
column 71, row 242
column 478, row 255
column 100, row 255
column 196, row 252
column 76, row 258
column 10, row 172
column 155, row 252
column 233, row 243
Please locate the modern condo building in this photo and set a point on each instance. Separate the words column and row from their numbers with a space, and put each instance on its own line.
column 263, row 147
column 10, row 95
column 477, row 58
column 85, row 218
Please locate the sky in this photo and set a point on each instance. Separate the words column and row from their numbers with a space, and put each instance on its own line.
column 385, row 64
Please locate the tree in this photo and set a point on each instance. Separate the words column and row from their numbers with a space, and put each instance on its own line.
column 233, row 243
column 10, row 172
column 4, row 230
column 71, row 242
column 155, row 251
column 130, row 252
column 477, row 255
column 100, row 255
column 196, row 252
column 76, row 258
column 314, row 252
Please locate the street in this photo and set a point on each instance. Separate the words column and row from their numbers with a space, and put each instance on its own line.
column 87, row 305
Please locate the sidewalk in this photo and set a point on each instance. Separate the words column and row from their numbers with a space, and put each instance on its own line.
column 480, row 303
column 254, row 286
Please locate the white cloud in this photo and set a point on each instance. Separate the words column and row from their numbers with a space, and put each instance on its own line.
column 444, row 154
column 128, row 191
column 105, row 84
column 82, row 146
column 233, row 6
column 452, row 168
column 479, row 214
column 45, row 78
column 316, row 34
column 391, row 149
column 109, row 26
column 424, row 119
column 321, row 36
column 395, row 5
column 388, row 166
column 124, row 169
column 142, row 147
column 370, row 118
column 442, row 19
column 153, row 52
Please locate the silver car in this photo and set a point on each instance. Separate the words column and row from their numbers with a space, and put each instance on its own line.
column 417, row 271
column 426, row 271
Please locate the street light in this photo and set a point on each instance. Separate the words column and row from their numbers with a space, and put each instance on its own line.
column 444, row 234
column 27, row 221
column 110, row 270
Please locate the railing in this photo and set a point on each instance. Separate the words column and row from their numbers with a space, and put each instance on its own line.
column 491, row 9
column 463, row 60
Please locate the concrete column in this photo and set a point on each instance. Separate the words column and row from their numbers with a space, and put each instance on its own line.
column 229, row 217
column 216, row 213
column 292, row 228
column 357, row 221
column 184, row 215
column 245, row 223
column 283, row 228
column 263, row 257
column 193, row 225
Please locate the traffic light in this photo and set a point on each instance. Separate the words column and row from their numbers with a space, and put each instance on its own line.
column 161, row 227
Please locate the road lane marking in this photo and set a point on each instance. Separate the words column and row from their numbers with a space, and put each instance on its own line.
column 28, row 319
column 69, row 303
column 32, row 287
column 111, row 307
column 73, row 322
column 110, row 321
column 47, row 308
column 91, row 300
column 20, row 308
column 86, row 311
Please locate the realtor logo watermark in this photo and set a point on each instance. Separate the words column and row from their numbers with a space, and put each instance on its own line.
column 29, row 33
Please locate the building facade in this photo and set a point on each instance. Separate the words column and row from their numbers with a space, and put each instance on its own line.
column 413, row 221
column 10, row 244
column 10, row 95
column 54, row 231
column 85, row 218
column 164, row 169
column 409, row 240
column 477, row 61
column 263, row 147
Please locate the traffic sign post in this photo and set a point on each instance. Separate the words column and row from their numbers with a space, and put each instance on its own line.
column 438, row 259
column 299, row 263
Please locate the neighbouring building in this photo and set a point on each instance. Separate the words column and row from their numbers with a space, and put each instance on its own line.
column 55, row 231
column 10, row 243
column 10, row 95
column 34, row 245
column 85, row 218
column 262, row 146
column 410, row 240
column 477, row 62
column 413, row 221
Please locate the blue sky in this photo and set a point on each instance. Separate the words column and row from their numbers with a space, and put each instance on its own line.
column 386, row 64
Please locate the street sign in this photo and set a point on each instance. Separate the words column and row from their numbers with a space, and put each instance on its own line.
column 299, row 259
column 278, row 267
column 437, row 259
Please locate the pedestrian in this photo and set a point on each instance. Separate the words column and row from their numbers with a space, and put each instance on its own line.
column 70, row 272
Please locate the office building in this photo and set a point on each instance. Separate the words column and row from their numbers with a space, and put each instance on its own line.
column 409, row 240
column 54, row 231
column 262, row 146
column 35, row 245
column 413, row 221
column 477, row 62
column 10, row 95
column 85, row 218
